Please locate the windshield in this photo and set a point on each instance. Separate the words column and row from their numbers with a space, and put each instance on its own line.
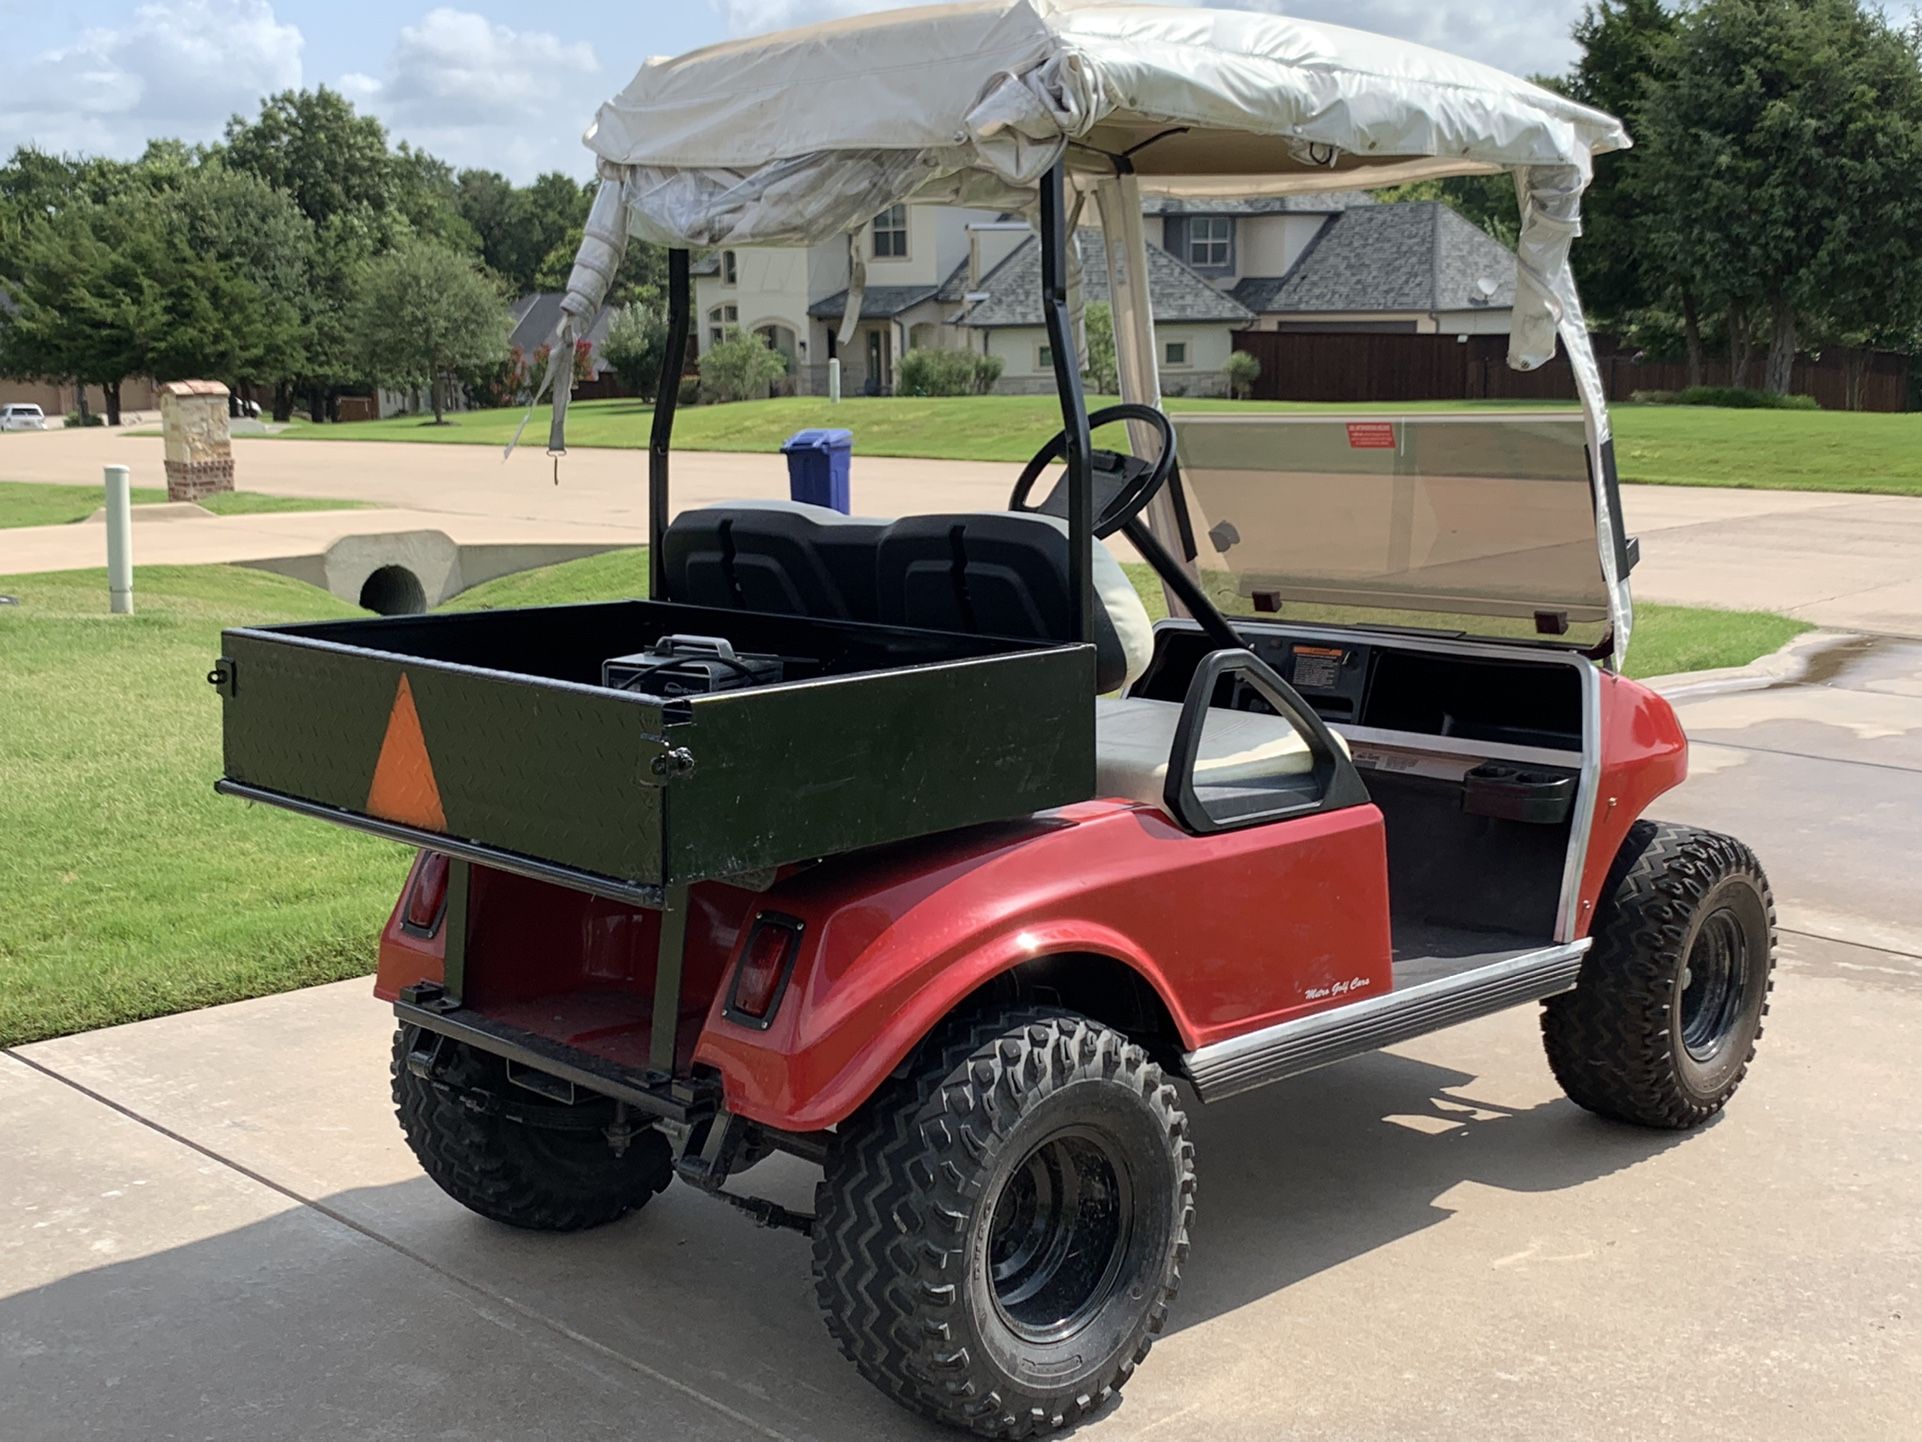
column 1478, row 523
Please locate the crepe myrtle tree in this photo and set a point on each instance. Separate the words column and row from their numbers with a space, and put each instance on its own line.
column 426, row 313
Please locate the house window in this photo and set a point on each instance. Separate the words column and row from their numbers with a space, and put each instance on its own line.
column 728, row 273
column 1211, row 240
column 1044, row 357
column 1177, row 353
column 891, row 233
column 721, row 320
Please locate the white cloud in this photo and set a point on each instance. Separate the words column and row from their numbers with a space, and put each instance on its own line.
column 478, row 93
column 1525, row 38
column 176, row 67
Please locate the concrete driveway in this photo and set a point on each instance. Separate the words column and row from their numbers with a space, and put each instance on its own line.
column 211, row 1228
column 1834, row 560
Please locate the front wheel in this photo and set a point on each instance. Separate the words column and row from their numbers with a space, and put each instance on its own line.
column 1663, row 1022
column 1000, row 1232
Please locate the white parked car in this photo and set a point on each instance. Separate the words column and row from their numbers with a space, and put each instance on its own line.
column 22, row 418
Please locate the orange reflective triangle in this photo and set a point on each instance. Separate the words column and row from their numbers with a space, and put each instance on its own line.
column 404, row 788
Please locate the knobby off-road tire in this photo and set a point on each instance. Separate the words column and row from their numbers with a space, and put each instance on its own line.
column 1000, row 1230
column 1662, row 1025
column 528, row 1163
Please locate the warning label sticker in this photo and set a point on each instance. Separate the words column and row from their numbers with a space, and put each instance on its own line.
column 1371, row 435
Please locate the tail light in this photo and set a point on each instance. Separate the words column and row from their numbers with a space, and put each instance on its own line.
column 427, row 897
column 762, row 974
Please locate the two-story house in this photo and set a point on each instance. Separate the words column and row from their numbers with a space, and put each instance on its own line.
column 967, row 279
column 917, row 261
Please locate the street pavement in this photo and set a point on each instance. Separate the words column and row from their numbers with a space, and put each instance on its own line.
column 211, row 1228
column 1842, row 561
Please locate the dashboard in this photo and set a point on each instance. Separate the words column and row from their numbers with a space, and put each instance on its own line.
column 1377, row 692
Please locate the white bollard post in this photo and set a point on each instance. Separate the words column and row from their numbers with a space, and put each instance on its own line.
column 119, row 542
column 834, row 381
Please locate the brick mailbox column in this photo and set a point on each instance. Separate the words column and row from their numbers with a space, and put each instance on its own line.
column 200, row 453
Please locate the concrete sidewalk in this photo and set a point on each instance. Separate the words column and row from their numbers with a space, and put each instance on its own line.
column 213, row 1230
column 1843, row 561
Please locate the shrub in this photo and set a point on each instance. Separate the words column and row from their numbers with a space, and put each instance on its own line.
column 91, row 418
column 1241, row 372
column 946, row 373
column 689, row 393
column 636, row 342
column 1736, row 398
column 1097, row 324
column 740, row 367
column 1652, row 398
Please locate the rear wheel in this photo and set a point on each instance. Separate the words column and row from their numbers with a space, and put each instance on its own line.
column 514, row 1157
column 1662, row 1025
column 1000, row 1232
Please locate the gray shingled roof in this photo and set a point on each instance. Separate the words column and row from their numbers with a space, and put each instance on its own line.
column 1321, row 202
column 1408, row 256
column 878, row 302
column 537, row 316
column 955, row 287
column 1175, row 292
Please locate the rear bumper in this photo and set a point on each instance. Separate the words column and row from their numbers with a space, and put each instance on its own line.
column 427, row 1006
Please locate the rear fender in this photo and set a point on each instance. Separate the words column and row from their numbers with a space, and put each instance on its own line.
column 846, row 1023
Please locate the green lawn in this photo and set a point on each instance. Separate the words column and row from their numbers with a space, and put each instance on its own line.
column 128, row 889
column 1661, row 445
column 28, row 503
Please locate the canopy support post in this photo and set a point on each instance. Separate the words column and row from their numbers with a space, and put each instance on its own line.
column 666, row 394
column 1074, row 405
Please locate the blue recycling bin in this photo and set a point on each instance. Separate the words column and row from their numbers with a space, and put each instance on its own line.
column 817, row 467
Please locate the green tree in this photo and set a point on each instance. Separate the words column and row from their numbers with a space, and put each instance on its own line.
column 1783, row 140
column 312, row 145
column 1622, row 43
column 424, row 313
column 636, row 342
column 256, row 238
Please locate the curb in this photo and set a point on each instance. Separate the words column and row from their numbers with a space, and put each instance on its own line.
column 1789, row 666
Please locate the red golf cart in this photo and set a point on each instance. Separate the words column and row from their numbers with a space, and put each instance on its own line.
column 912, row 848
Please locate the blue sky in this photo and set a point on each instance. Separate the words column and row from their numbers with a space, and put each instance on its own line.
column 482, row 82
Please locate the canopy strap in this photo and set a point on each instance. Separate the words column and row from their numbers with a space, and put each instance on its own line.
column 857, row 289
column 603, row 243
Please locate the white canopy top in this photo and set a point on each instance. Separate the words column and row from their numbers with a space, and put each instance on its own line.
column 796, row 137
column 734, row 143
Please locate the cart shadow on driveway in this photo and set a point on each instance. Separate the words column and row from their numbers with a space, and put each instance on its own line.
column 297, row 1325
column 1308, row 1174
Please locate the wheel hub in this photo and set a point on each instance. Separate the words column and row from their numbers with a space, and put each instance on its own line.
column 1714, row 984
column 1057, row 1236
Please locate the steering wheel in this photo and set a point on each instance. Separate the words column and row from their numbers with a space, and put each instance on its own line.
column 1123, row 485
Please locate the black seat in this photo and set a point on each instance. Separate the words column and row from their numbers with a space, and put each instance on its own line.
column 781, row 557
column 1006, row 574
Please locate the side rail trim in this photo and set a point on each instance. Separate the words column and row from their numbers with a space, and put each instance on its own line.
column 1292, row 1047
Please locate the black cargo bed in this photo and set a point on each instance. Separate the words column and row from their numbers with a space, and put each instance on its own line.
column 487, row 734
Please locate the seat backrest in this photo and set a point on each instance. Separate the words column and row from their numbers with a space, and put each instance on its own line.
column 1006, row 574
column 782, row 557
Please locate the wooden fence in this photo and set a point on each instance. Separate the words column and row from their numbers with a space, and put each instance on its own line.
column 1308, row 366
